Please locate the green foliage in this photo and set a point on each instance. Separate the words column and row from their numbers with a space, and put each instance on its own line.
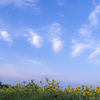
column 49, row 92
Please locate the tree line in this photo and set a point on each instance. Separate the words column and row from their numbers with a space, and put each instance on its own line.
column 5, row 85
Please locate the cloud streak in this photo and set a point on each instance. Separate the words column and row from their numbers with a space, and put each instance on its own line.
column 35, row 62
column 61, row 14
column 94, row 16
column 79, row 48
column 86, row 31
column 95, row 53
column 61, row 3
column 20, row 3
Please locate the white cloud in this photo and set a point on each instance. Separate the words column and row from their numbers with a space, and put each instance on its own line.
column 36, row 40
column 85, row 31
column 95, row 53
column 94, row 16
column 61, row 3
column 61, row 14
column 5, row 36
column 35, row 62
column 54, row 31
column 93, row 2
column 25, row 35
column 79, row 48
column 94, row 19
column 20, row 3
column 57, row 45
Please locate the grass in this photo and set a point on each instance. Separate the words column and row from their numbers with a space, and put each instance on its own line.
column 48, row 92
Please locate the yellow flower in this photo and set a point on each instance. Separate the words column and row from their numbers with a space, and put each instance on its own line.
column 78, row 88
column 90, row 97
column 60, row 89
column 45, row 79
column 51, row 83
column 13, row 90
column 39, row 88
column 70, row 90
column 53, row 88
column 23, row 82
column 52, row 80
column 82, row 86
column 47, row 87
column 96, row 91
column 40, row 81
column 43, row 89
column 31, row 81
column 7, row 89
column 97, row 88
column 93, row 97
column 56, row 83
column 35, row 85
column 90, row 86
column 93, row 88
column 84, row 89
column 84, row 93
column 3, row 87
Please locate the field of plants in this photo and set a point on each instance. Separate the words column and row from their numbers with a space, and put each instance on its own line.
column 48, row 92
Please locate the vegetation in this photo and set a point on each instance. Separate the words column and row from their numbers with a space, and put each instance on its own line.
column 49, row 92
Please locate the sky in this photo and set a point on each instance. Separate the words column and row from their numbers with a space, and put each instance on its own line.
column 56, row 39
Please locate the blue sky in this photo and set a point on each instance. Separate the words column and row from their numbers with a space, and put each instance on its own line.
column 56, row 39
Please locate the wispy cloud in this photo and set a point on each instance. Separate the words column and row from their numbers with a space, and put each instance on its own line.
column 93, row 2
column 54, row 31
column 5, row 36
column 35, row 39
column 94, row 16
column 84, row 31
column 61, row 14
column 35, row 62
column 61, row 3
column 25, row 35
column 79, row 48
column 57, row 45
column 95, row 53
column 20, row 3
column 94, row 19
